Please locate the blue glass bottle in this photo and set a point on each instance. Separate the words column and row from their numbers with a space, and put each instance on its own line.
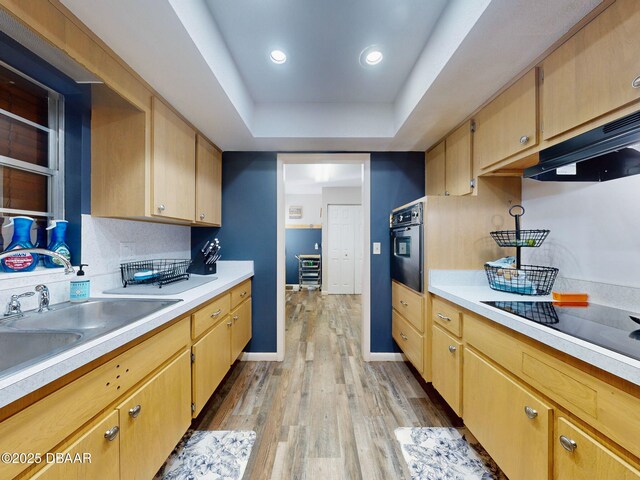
column 20, row 262
column 57, row 244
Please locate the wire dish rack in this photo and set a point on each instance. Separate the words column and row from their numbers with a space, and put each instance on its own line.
column 154, row 272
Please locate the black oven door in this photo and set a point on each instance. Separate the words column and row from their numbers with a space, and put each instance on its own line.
column 406, row 256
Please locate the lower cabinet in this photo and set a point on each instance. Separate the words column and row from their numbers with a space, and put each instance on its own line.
column 510, row 422
column 100, row 445
column 408, row 339
column 446, row 360
column 240, row 329
column 153, row 419
column 578, row 455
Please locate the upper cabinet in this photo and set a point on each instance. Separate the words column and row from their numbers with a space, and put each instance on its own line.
column 595, row 72
column 173, row 164
column 507, row 125
column 435, row 170
column 458, row 167
column 208, row 183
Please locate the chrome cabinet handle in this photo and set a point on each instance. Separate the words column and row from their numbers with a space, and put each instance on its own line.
column 235, row 317
column 112, row 433
column 202, row 215
column 161, row 207
column 530, row 412
column 452, row 348
column 404, row 337
column 568, row 444
column 242, row 295
column 635, row 83
column 524, row 139
column 443, row 317
column 229, row 324
column 403, row 303
column 135, row 411
column 216, row 313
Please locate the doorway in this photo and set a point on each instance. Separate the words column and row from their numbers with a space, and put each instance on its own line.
column 343, row 252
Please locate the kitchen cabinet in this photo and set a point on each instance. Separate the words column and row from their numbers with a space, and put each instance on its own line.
column 595, row 72
column 409, row 304
column 154, row 418
column 407, row 323
column 512, row 423
column 410, row 341
column 578, row 455
column 173, row 165
column 508, row 125
column 100, row 441
column 446, row 315
column 435, row 182
column 446, row 358
column 240, row 293
column 208, row 183
column 458, row 166
column 240, row 329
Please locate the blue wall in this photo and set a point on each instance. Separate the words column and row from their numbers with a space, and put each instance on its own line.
column 300, row 241
column 249, row 232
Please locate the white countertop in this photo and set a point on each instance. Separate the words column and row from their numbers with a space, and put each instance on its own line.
column 31, row 378
column 470, row 298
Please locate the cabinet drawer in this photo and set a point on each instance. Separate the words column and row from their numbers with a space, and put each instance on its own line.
column 240, row 293
column 510, row 422
column 58, row 415
column 409, row 304
column 447, row 315
column 446, row 357
column 577, row 455
column 240, row 329
column 408, row 339
column 209, row 315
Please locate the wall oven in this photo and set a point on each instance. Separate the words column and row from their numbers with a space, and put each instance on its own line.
column 407, row 232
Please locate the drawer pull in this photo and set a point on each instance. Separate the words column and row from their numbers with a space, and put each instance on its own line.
column 524, row 139
column 235, row 317
column 443, row 317
column 452, row 348
column 404, row 337
column 243, row 294
column 530, row 412
column 202, row 215
column 135, row 411
column 216, row 313
column 635, row 83
column 112, row 433
column 161, row 207
column 229, row 324
column 403, row 303
column 568, row 444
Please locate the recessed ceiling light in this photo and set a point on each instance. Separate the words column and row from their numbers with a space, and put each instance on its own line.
column 372, row 55
column 278, row 56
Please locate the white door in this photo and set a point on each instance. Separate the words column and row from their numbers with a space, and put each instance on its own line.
column 359, row 250
column 342, row 224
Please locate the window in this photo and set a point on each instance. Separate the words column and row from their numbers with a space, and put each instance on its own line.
column 31, row 152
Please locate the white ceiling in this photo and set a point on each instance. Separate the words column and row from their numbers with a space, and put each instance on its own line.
column 310, row 179
column 201, row 55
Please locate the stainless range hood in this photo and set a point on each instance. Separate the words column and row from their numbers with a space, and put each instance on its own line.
column 604, row 153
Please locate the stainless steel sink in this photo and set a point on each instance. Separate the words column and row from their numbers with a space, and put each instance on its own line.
column 36, row 336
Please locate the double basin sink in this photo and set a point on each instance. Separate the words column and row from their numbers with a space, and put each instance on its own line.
column 35, row 337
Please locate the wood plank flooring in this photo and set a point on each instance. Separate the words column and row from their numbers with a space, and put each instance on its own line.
column 323, row 412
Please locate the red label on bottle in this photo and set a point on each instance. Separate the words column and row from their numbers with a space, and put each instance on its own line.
column 19, row 261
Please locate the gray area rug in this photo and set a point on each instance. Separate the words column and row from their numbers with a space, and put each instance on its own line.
column 438, row 453
column 210, row 455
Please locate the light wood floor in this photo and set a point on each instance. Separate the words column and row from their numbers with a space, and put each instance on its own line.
column 323, row 412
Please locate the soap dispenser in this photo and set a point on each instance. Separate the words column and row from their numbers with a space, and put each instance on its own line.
column 57, row 244
column 80, row 288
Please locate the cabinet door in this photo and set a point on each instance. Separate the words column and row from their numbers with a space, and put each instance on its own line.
column 458, row 161
column 98, row 448
column 446, row 355
column 577, row 455
column 409, row 304
column 241, row 329
column 208, row 183
column 594, row 72
column 173, row 165
column 511, row 423
column 211, row 363
column 435, row 170
column 408, row 339
column 154, row 418
column 508, row 124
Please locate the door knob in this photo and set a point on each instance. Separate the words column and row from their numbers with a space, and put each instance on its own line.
column 452, row 349
column 135, row 411
column 530, row 412
column 524, row 139
column 568, row 444
column 635, row 83
column 161, row 207
column 202, row 216
column 112, row 433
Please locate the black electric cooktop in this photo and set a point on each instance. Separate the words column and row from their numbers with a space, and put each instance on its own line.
column 611, row 328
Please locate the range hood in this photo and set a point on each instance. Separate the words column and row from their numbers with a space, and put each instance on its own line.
column 604, row 153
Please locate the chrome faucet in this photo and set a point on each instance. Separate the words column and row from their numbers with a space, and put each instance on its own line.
column 43, row 298
column 68, row 268
column 14, row 309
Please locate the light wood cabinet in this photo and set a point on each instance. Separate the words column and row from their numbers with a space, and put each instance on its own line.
column 578, row 455
column 210, row 363
column 458, row 166
column 595, row 72
column 435, row 170
column 207, row 316
column 408, row 339
column 173, row 165
column 99, row 450
column 409, row 304
column 508, row 125
column 240, row 293
column 510, row 422
column 208, row 183
column 446, row 358
column 446, row 315
column 240, row 329
column 153, row 419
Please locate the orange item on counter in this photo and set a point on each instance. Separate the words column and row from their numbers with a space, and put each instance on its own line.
column 570, row 297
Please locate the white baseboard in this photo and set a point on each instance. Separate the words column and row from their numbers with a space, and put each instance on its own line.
column 385, row 357
column 259, row 357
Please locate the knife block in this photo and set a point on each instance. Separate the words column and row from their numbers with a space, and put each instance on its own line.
column 200, row 268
